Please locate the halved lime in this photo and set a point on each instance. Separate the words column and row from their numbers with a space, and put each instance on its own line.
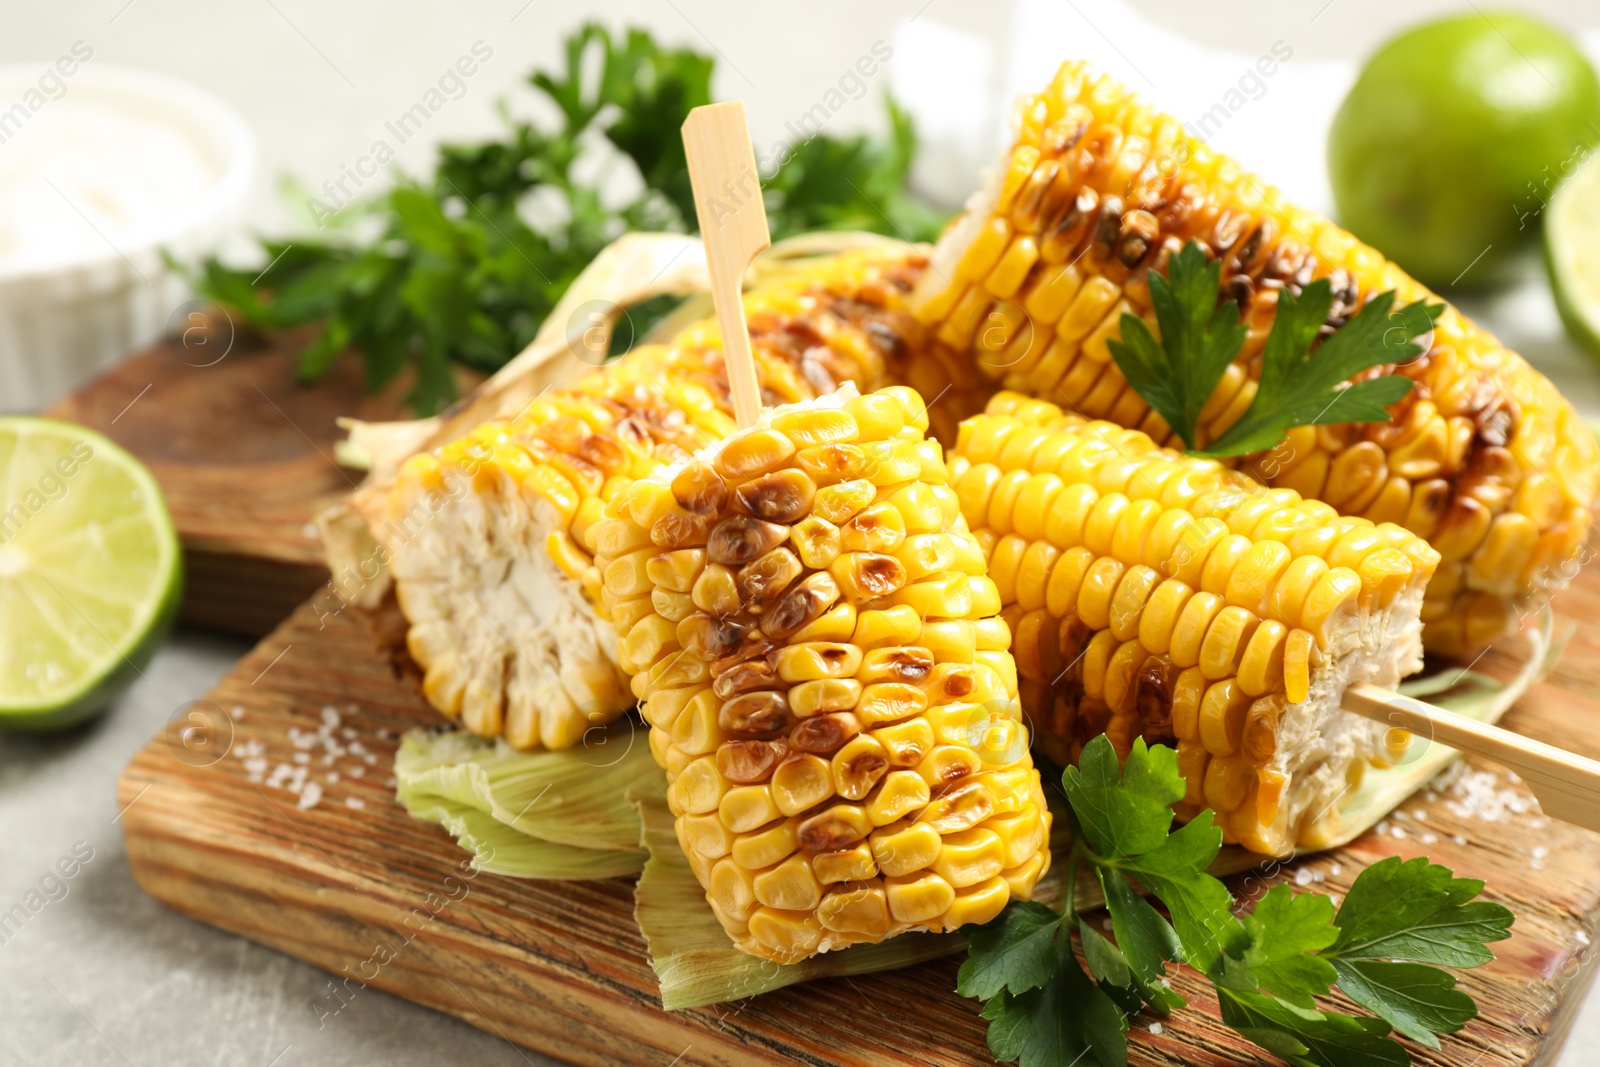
column 1572, row 253
column 90, row 572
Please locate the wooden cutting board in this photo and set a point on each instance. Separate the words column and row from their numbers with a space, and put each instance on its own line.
column 357, row 887
column 244, row 453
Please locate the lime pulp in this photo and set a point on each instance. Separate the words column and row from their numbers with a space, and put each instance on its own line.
column 90, row 571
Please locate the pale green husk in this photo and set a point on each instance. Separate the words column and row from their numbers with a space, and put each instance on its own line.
column 533, row 814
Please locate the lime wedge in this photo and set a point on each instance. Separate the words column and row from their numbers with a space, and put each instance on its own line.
column 90, row 572
column 1572, row 252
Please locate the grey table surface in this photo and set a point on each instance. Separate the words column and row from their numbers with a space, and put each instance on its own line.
column 102, row 974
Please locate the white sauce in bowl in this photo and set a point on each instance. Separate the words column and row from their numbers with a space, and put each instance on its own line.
column 87, row 173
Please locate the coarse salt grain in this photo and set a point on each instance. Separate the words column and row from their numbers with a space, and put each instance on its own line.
column 330, row 716
column 1458, row 839
column 236, row 712
column 1399, row 833
column 354, row 802
column 309, row 796
column 1336, row 868
column 1583, row 937
column 302, row 757
column 1155, row 1028
column 1430, row 839
column 1302, row 876
column 332, row 776
column 357, row 771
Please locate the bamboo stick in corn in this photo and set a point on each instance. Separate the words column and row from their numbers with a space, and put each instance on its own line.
column 1484, row 457
column 1157, row 595
column 812, row 633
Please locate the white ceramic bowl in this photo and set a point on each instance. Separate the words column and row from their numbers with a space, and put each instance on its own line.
column 71, row 307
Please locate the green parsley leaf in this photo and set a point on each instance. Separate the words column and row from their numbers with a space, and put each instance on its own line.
column 1419, row 911
column 1310, row 1038
column 1124, row 810
column 1109, row 968
column 1015, row 953
column 1200, row 905
column 1283, row 931
column 1417, row 1000
column 1302, row 383
column 1177, row 374
column 464, row 267
column 1068, row 1020
column 1145, row 941
column 1302, row 387
column 1268, row 966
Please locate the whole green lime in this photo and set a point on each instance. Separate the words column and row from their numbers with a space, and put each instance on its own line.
column 1455, row 136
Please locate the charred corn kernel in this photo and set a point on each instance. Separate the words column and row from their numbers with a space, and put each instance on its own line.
column 843, row 729
column 1164, row 596
column 1118, row 206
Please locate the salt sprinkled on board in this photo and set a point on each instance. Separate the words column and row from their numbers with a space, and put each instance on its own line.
column 309, row 796
column 1302, row 877
column 1582, row 936
column 330, row 716
column 1537, row 857
column 1155, row 1029
column 1477, row 794
column 354, row 802
column 1335, row 869
column 236, row 712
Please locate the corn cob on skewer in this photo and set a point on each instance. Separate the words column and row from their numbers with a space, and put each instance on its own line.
column 487, row 536
column 1154, row 594
column 810, row 628
column 1484, row 458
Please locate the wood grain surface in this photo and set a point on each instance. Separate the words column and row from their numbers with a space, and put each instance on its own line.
column 244, row 455
column 358, row 888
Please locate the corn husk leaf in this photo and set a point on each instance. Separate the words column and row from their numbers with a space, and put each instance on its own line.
column 532, row 814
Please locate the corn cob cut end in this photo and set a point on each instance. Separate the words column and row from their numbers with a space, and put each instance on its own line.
column 825, row 680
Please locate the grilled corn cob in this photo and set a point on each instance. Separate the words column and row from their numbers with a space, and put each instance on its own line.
column 1484, row 457
column 487, row 537
column 1155, row 594
column 809, row 625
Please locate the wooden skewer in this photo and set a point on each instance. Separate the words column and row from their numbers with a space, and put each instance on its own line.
column 1567, row 785
column 733, row 225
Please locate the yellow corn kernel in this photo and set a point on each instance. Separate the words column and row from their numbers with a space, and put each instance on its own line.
column 1189, row 634
column 1222, row 717
column 903, row 850
column 1297, row 651
column 918, row 898
column 1225, row 641
column 1334, row 596
column 1160, row 616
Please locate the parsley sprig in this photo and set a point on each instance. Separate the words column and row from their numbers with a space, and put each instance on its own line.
column 1301, row 383
column 464, row 266
column 1383, row 948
